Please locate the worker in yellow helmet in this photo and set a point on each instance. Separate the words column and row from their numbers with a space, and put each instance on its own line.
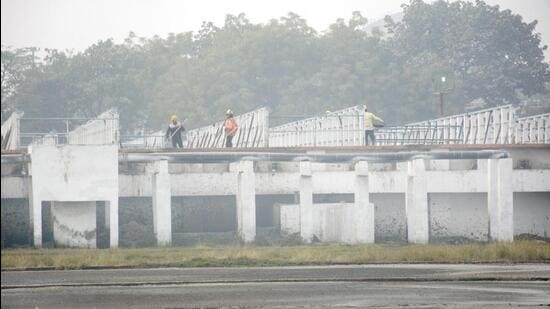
column 230, row 127
column 371, row 121
column 174, row 131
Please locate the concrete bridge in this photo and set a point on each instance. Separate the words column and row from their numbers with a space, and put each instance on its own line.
column 81, row 189
column 350, row 195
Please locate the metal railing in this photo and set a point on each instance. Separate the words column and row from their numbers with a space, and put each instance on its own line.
column 101, row 130
column 418, row 135
column 155, row 140
column 252, row 132
column 498, row 125
column 339, row 128
column 533, row 130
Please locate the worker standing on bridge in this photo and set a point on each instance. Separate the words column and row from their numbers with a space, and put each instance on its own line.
column 230, row 126
column 174, row 131
column 371, row 121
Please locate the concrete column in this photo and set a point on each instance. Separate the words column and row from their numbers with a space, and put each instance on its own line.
column 306, row 202
column 35, row 209
column 500, row 199
column 162, row 210
column 246, row 201
column 364, row 210
column 113, row 223
column 416, row 203
column 482, row 165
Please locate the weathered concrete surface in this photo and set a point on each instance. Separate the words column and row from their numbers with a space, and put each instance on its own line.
column 162, row 207
column 458, row 215
column 246, row 201
column 532, row 213
column 454, row 190
column 72, row 173
column 74, row 224
column 136, row 222
column 416, row 203
column 426, row 286
column 15, row 222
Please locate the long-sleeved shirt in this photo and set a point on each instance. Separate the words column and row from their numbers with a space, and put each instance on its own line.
column 174, row 130
column 369, row 120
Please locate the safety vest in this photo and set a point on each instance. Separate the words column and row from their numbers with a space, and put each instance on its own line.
column 230, row 126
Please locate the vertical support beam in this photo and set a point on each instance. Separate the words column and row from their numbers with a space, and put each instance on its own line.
column 364, row 210
column 113, row 223
column 416, row 203
column 35, row 211
column 162, row 209
column 35, row 207
column 306, row 202
column 246, row 201
column 500, row 200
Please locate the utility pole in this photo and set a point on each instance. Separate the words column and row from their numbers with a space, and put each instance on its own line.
column 441, row 92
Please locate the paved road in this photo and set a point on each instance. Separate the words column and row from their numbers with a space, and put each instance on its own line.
column 425, row 286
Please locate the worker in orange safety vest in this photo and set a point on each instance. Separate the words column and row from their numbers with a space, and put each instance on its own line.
column 230, row 126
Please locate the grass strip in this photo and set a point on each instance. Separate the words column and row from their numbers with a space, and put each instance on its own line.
column 250, row 255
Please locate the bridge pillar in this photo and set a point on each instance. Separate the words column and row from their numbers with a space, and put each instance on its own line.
column 162, row 210
column 306, row 202
column 500, row 199
column 35, row 209
column 246, row 201
column 364, row 210
column 111, row 217
column 416, row 203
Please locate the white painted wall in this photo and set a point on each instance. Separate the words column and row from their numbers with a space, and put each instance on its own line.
column 458, row 215
column 90, row 173
column 335, row 221
column 532, row 213
column 71, row 173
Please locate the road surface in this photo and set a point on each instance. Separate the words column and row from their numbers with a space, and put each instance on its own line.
column 350, row 286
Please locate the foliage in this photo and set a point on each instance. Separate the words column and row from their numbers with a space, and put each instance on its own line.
column 485, row 53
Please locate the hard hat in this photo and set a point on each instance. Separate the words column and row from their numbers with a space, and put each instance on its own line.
column 173, row 117
column 229, row 112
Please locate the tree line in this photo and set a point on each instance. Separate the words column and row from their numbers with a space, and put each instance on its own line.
column 486, row 54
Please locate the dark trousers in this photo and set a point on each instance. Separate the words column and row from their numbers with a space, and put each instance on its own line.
column 229, row 141
column 176, row 141
column 370, row 134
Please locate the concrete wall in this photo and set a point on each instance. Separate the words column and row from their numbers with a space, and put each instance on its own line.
column 389, row 217
column 458, row 216
column 136, row 222
column 15, row 222
column 532, row 213
column 70, row 173
column 74, row 224
column 203, row 197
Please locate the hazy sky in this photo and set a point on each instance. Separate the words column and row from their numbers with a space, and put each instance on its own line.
column 76, row 24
